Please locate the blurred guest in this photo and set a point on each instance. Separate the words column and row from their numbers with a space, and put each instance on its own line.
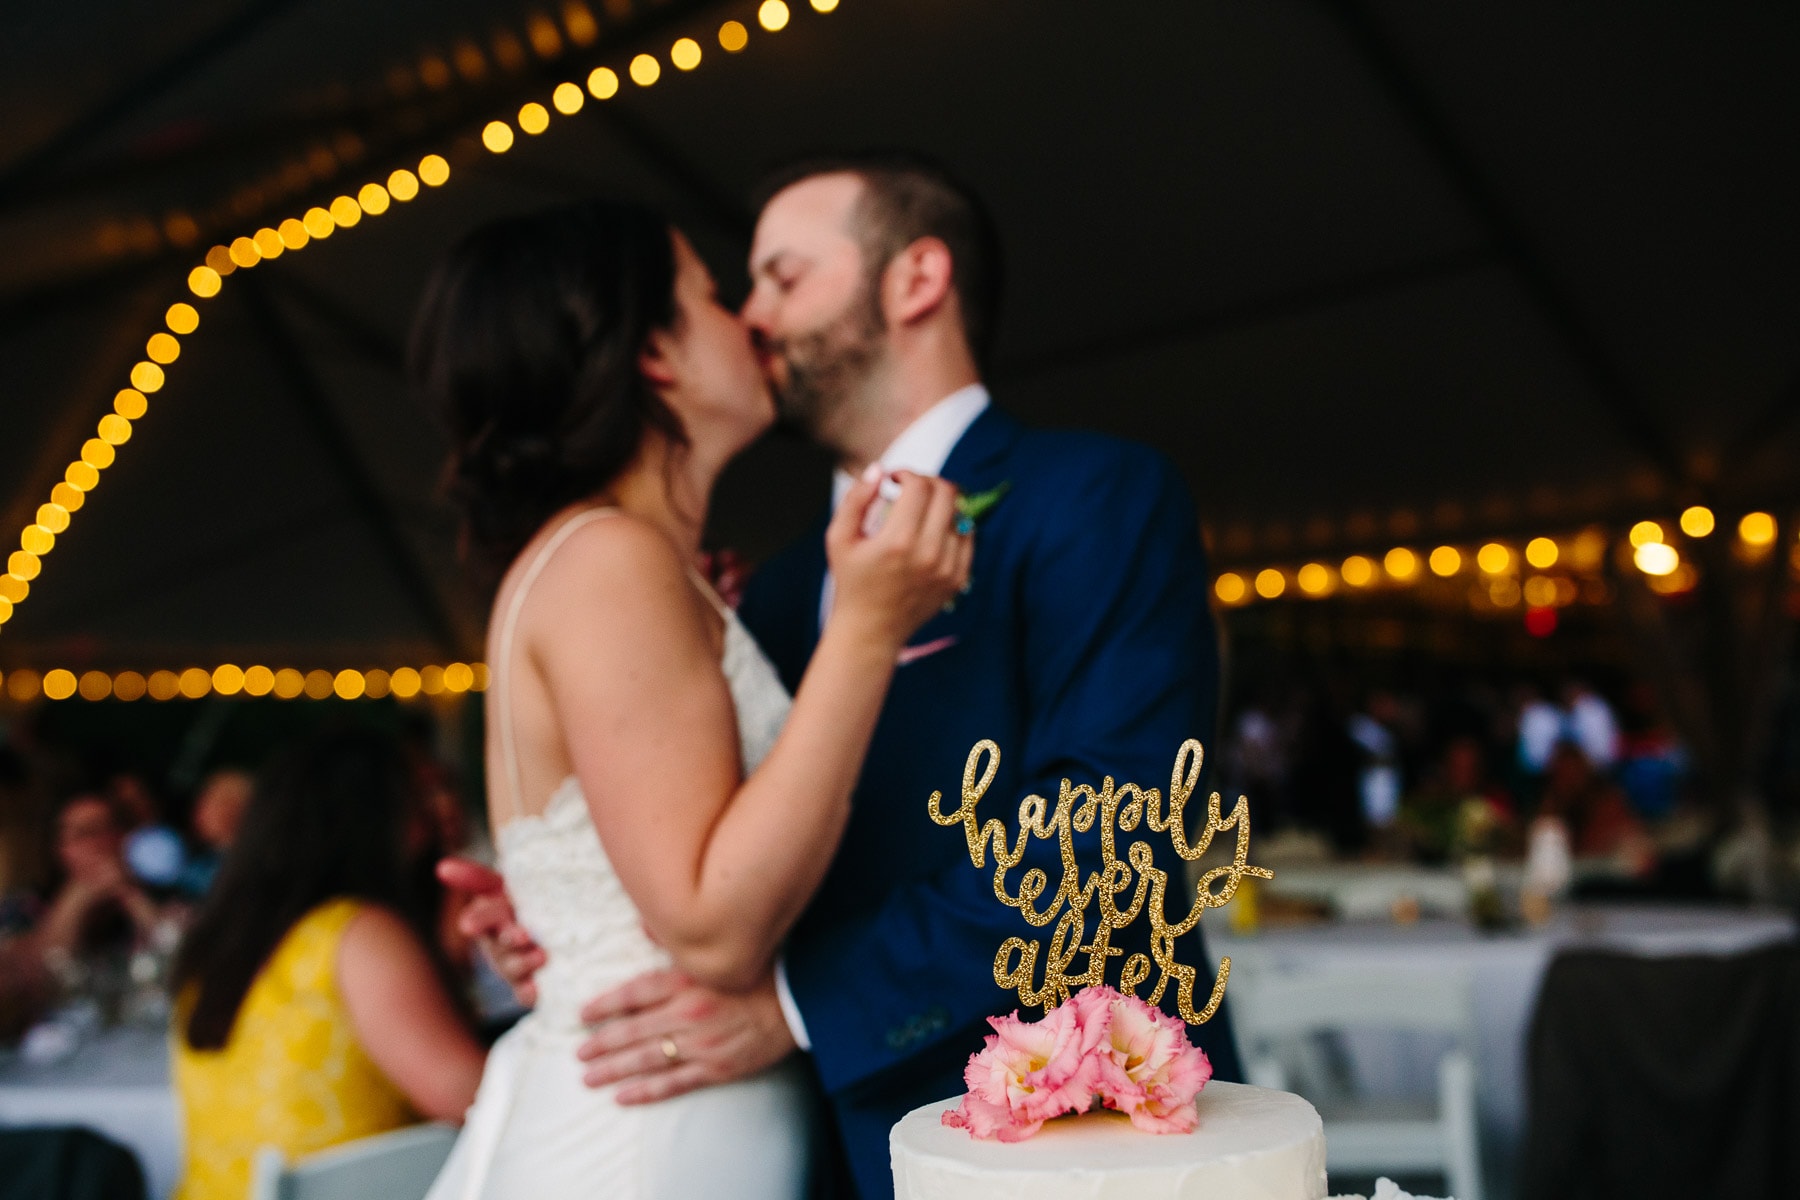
column 1540, row 729
column 98, row 911
column 1653, row 761
column 218, row 809
column 313, row 1003
column 1591, row 724
column 1458, row 810
column 1380, row 781
column 1593, row 808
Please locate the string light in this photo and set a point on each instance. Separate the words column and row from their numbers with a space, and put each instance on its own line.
column 291, row 235
column 1446, row 561
column 1656, row 558
column 1645, row 533
column 1757, row 529
column 1401, row 563
column 1270, row 583
column 1697, row 521
column 1541, row 553
column 1358, row 571
column 228, row 679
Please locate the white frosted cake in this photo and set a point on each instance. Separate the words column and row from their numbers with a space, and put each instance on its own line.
column 1251, row 1144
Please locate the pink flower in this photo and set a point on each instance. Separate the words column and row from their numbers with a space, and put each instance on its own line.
column 1146, row 1067
column 1028, row 1072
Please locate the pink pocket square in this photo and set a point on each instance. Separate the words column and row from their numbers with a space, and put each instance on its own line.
column 912, row 654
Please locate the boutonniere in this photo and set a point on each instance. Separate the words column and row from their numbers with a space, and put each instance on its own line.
column 970, row 509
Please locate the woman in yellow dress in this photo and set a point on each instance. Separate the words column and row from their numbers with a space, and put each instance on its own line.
column 313, row 1007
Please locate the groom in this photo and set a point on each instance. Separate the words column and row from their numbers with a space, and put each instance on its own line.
column 1084, row 648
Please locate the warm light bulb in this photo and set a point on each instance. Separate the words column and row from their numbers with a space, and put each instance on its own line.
column 1270, row 583
column 534, row 118
column 1230, row 588
column 1656, row 558
column 431, row 681
column 346, row 212
column 1646, row 533
column 567, row 99
column 147, row 377
column 37, row 539
column 67, row 495
column 114, row 430
column 685, row 54
column 269, row 243
column 824, row 6
column 403, row 185
column 204, row 282
column 293, row 233
column 603, row 84
column 81, row 477
column 227, row 679
column 405, row 683
column 245, row 253
column 13, row 589
column 1540, row 591
column 162, row 348
column 733, row 36
column 259, row 681
column 458, row 677
column 1446, row 561
column 1493, row 558
column 1314, row 578
column 1757, row 529
column 372, row 199
column 98, row 454
column 163, row 685
column 645, row 70
column 1357, row 571
column 195, row 683
column 182, row 318
column 348, row 685
column 129, row 686
column 318, row 222
column 1401, row 563
column 375, row 684
column 59, row 684
column 481, row 677
column 288, row 683
column 319, row 684
column 219, row 259
column 434, row 170
column 1541, row 553
column 53, row 517
column 773, row 15
column 497, row 136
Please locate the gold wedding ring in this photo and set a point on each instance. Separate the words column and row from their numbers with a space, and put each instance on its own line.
column 670, row 1050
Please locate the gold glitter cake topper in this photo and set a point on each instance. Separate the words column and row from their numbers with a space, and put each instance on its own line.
column 1116, row 809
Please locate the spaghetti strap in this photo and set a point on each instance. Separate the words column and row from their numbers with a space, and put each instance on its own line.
column 509, row 622
column 711, row 593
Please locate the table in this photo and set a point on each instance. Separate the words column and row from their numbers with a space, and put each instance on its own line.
column 1505, row 971
column 117, row 1084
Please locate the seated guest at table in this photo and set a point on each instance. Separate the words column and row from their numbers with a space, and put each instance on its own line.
column 313, row 1003
column 98, row 911
column 1593, row 808
column 218, row 809
column 1458, row 810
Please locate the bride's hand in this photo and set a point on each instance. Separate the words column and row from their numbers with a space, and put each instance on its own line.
column 890, row 582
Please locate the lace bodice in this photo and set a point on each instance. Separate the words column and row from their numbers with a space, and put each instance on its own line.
column 562, row 883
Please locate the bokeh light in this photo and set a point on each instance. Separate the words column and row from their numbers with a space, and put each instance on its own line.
column 129, row 686
column 1757, row 529
column 319, row 684
column 405, row 683
column 645, row 70
column 182, row 318
column 1401, row 563
column 602, row 84
column 349, row 685
column 372, row 199
column 733, row 36
column 1697, row 521
column 1270, row 583
column 195, row 682
column 403, row 185
column 259, row 681
column 685, row 54
column 346, row 212
column 773, row 15
column 163, row 685
column 288, row 683
column 1493, row 558
column 497, row 136
column 1446, row 561
column 534, row 118
column 1314, row 579
column 1541, row 553
column 59, row 684
column 1656, row 558
column 567, row 99
column 1358, row 571
column 227, row 679
column 434, row 170
column 1645, row 533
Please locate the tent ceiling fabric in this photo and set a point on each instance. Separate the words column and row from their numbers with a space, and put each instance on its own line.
column 1470, row 269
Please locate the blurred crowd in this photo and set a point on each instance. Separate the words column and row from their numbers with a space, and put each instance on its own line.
column 1435, row 774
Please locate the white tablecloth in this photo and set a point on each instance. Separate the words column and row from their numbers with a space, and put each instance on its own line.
column 1505, row 971
column 118, row 1085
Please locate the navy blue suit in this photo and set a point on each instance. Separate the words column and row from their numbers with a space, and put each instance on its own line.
column 1085, row 648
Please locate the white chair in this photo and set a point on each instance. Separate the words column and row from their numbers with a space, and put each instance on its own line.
column 1279, row 1016
column 393, row 1166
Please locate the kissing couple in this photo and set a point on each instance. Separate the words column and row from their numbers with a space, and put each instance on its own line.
column 748, row 949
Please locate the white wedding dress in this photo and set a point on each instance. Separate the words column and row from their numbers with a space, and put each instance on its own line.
column 535, row 1131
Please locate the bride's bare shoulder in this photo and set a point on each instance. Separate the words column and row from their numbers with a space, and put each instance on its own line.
column 614, row 564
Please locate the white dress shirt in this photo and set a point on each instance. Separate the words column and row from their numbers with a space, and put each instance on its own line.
column 922, row 448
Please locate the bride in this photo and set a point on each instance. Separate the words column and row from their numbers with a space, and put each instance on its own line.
column 656, row 796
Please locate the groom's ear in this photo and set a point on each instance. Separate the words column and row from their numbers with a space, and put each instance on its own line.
column 917, row 281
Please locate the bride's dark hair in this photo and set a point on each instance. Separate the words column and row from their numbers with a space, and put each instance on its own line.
column 526, row 347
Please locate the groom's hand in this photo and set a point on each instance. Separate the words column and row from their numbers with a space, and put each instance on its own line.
column 487, row 916
column 716, row 1036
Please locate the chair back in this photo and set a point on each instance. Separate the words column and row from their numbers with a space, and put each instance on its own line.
column 1271, row 1003
column 401, row 1165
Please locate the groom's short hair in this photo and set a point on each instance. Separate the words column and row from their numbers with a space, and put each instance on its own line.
column 907, row 196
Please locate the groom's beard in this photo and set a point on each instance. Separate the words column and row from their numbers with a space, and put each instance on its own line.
column 826, row 371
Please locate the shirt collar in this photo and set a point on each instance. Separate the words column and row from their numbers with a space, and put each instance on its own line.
column 924, row 446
